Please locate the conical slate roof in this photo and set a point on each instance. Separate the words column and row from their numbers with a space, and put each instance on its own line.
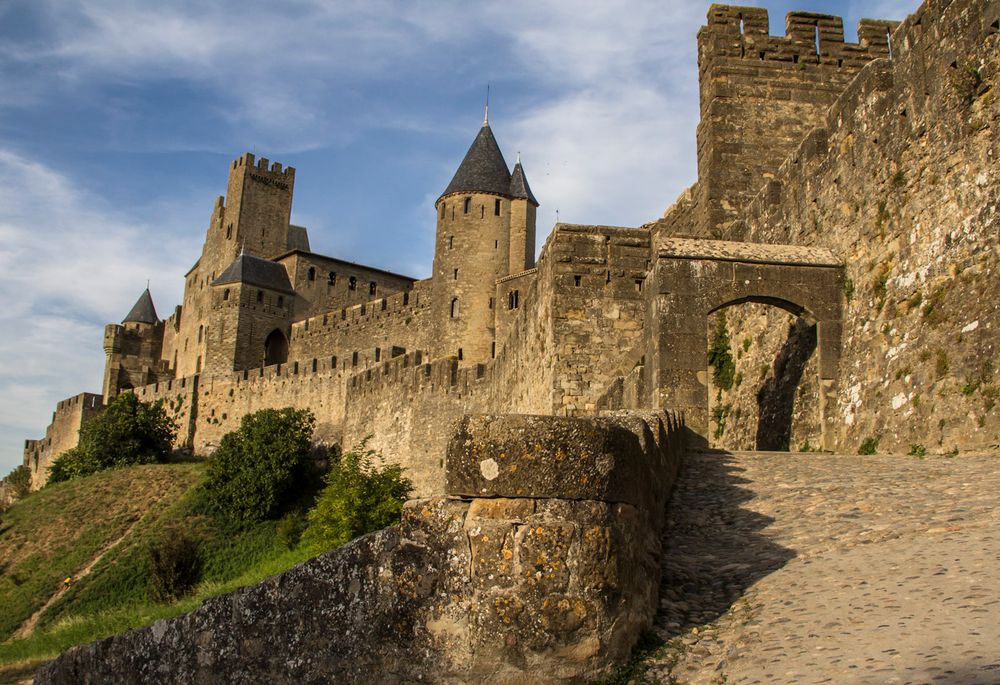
column 483, row 170
column 143, row 310
column 519, row 187
column 251, row 270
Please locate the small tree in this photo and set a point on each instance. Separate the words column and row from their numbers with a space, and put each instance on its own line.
column 19, row 481
column 128, row 432
column 358, row 498
column 254, row 471
column 720, row 358
column 174, row 567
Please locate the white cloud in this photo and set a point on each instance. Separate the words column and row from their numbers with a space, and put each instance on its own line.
column 68, row 265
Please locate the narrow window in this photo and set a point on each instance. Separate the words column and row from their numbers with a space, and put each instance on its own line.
column 459, row 354
column 482, row 211
column 451, row 242
column 225, row 294
column 333, row 362
column 576, row 281
column 378, row 354
column 312, row 273
column 493, row 350
column 638, row 285
column 442, row 209
column 197, row 365
column 307, row 325
column 281, row 301
column 229, row 231
column 383, row 304
column 372, row 288
column 331, row 278
column 314, row 366
column 352, row 283
column 496, row 244
column 454, row 308
column 354, row 359
column 185, row 344
column 491, row 303
column 456, row 274
column 406, row 299
column 201, row 330
column 496, row 207
column 468, row 203
column 260, row 296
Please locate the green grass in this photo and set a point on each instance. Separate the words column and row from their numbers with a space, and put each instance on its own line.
column 55, row 532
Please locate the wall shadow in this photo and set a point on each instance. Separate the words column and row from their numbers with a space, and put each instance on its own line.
column 713, row 548
column 776, row 398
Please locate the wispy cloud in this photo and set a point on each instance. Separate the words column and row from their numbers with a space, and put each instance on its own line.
column 67, row 266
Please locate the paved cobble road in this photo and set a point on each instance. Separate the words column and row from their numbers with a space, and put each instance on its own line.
column 806, row 568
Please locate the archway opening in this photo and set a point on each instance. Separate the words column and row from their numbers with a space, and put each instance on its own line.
column 275, row 348
column 762, row 377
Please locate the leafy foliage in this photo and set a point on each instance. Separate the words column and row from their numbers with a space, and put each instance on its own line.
column 256, row 468
column 174, row 567
column 19, row 481
column 868, row 446
column 720, row 358
column 129, row 432
column 358, row 498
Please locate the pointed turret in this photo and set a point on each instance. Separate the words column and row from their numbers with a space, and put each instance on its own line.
column 483, row 170
column 143, row 311
column 519, row 188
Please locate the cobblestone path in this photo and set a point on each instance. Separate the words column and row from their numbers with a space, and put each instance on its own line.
column 804, row 568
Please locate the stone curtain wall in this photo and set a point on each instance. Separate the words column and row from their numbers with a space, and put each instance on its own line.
column 62, row 434
column 902, row 181
column 543, row 566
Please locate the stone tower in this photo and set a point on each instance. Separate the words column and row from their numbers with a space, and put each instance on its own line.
column 761, row 94
column 485, row 231
column 132, row 349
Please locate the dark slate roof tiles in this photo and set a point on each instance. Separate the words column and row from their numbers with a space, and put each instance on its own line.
column 483, row 170
column 519, row 187
column 251, row 270
column 143, row 310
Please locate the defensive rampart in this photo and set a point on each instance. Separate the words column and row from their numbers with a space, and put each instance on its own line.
column 62, row 434
column 541, row 565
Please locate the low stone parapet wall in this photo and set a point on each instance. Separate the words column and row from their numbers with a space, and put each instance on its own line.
column 540, row 565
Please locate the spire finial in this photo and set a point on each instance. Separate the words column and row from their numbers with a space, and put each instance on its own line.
column 486, row 116
column 147, row 284
column 518, row 157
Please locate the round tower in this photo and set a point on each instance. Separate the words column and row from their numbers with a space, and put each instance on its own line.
column 472, row 251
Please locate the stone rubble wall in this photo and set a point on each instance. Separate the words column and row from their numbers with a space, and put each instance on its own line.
column 541, row 564
column 901, row 181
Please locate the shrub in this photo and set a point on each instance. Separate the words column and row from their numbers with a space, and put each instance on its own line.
column 253, row 473
column 290, row 528
column 19, row 481
column 128, row 432
column 918, row 451
column 358, row 498
column 174, row 567
column 868, row 446
column 720, row 358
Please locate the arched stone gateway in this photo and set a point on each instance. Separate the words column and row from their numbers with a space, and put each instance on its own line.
column 695, row 278
column 275, row 348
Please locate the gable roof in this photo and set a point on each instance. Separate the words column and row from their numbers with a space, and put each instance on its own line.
column 483, row 170
column 250, row 270
column 143, row 310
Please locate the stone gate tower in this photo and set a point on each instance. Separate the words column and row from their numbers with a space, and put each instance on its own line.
column 485, row 231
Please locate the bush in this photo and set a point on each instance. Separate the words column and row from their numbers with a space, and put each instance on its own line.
column 290, row 528
column 358, row 498
column 253, row 473
column 19, row 481
column 174, row 567
column 918, row 451
column 869, row 446
column 128, row 432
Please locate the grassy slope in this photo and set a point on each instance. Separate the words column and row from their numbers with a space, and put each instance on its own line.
column 55, row 532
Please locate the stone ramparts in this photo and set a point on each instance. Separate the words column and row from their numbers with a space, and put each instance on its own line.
column 546, row 573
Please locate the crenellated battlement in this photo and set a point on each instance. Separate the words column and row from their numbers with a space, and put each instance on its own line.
column 810, row 38
column 249, row 160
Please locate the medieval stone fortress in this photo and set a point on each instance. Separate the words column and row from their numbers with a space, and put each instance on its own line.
column 845, row 215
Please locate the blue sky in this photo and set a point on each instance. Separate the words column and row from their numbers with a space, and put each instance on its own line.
column 118, row 120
